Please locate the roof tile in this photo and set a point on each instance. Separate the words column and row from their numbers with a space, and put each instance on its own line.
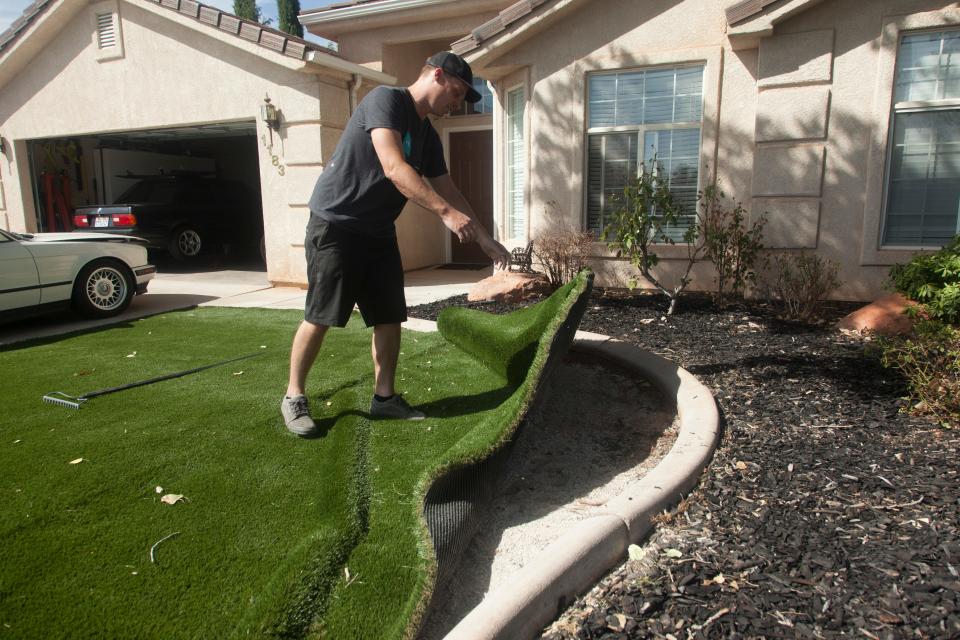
column 514, row 13
column 743, row 10
column 267, row 37
column 210, row 15
column 250, row 31
column 190, row 8
column 272, row 41
column 21, row 23
column 229, row 23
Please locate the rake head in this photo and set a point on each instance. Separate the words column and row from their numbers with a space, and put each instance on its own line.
column 63, row 400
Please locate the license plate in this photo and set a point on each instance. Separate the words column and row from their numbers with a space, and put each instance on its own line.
column 101, row 221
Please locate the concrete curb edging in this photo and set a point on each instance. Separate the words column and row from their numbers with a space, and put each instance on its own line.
column 539, row 591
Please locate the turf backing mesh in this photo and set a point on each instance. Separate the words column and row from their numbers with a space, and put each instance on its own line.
column 454, row 504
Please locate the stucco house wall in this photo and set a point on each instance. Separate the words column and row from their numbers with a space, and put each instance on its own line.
column 796, row 112
column 173, row 71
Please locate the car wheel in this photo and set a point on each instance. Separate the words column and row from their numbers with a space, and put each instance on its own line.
column 186, row 243
column 102, row 289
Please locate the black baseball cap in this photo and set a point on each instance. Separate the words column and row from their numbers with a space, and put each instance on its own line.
column 456, row 66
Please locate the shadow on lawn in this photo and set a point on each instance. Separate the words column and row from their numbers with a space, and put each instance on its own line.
column 52, row 328
column 326, row 424
column 449, row 407
column 455, row 406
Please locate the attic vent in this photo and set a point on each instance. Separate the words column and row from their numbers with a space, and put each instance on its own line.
column 106, row 34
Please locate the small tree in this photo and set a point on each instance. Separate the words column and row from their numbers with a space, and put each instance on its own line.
column 801, row 281
column 730, row 244
column 248, row 10
column 562, row 252
column 287, row 12
column 646, row 213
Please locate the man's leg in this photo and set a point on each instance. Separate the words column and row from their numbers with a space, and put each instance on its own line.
column 306, row 346
column 386, row 351
column 382, row 305
column 294, row 406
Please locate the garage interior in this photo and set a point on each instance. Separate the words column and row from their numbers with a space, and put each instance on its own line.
column 86, row 170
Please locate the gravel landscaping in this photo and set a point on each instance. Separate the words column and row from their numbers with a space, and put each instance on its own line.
column 825, row 512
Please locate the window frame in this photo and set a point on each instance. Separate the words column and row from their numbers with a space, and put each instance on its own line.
column 903, row 108
column 486, row 92
column 872, row 250
column 641, row 130
column 507, row 201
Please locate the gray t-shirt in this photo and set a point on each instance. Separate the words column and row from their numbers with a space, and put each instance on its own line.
column 352, row 191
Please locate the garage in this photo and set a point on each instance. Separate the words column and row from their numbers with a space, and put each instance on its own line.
column 97, row 97
column 202, row 183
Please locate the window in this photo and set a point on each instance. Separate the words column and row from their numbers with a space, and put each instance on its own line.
column 485, row 105
column 923, row 176
column 632, row 116
column 516, row 165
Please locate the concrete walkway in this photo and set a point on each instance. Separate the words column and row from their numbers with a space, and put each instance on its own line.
column 170, row 291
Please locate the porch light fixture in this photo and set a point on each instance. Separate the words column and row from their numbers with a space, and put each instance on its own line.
column 268, row 113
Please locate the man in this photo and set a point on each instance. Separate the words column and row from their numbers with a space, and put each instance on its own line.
column 351, row 245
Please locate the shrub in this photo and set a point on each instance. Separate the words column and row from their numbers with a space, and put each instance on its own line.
column 730, row 244
column 933, row 280
column 930, row 361
column 801, row 281
column 562, row 254
column 647, row 210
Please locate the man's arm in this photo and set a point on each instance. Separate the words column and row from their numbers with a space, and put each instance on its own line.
column 447, row 190
column 449, row 204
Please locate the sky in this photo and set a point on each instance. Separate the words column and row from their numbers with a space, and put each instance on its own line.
column 10, row 10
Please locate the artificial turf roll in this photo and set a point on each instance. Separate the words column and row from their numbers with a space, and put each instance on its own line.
column 520, row 347
column 506, row 344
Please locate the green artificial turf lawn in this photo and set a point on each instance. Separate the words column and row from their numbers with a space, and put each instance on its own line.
column 278, row 536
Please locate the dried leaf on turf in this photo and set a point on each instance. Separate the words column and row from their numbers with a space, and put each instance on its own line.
column 77, row 461
column 172, row 498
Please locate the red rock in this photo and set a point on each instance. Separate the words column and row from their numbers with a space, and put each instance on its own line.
column 510, row 286
column 884, row 316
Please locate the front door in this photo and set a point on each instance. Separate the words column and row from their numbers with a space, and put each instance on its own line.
column 471, row 168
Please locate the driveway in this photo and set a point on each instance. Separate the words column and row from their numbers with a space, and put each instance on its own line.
column 181, row 289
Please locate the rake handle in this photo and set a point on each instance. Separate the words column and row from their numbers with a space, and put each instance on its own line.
column 166, row 376
column 74, row 403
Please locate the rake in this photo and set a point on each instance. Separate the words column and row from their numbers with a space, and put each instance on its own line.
column 74, row 402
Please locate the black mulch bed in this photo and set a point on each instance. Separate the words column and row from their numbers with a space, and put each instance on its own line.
column 825, row 512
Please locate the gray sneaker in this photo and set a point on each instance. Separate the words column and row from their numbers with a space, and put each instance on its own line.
column 296, row 415
column 396, row 407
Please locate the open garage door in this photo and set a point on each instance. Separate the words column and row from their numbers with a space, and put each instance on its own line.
column 193, row 192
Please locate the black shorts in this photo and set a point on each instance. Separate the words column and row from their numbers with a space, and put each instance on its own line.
column 345, row 268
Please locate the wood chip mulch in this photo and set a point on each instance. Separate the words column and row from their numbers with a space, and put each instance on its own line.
column 826, row 511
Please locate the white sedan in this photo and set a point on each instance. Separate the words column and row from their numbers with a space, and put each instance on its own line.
column 96, row 273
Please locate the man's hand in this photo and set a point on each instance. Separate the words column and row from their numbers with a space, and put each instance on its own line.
column 497, row 252
column 465, row 227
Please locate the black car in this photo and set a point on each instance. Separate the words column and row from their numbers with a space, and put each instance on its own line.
column 183, row 215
